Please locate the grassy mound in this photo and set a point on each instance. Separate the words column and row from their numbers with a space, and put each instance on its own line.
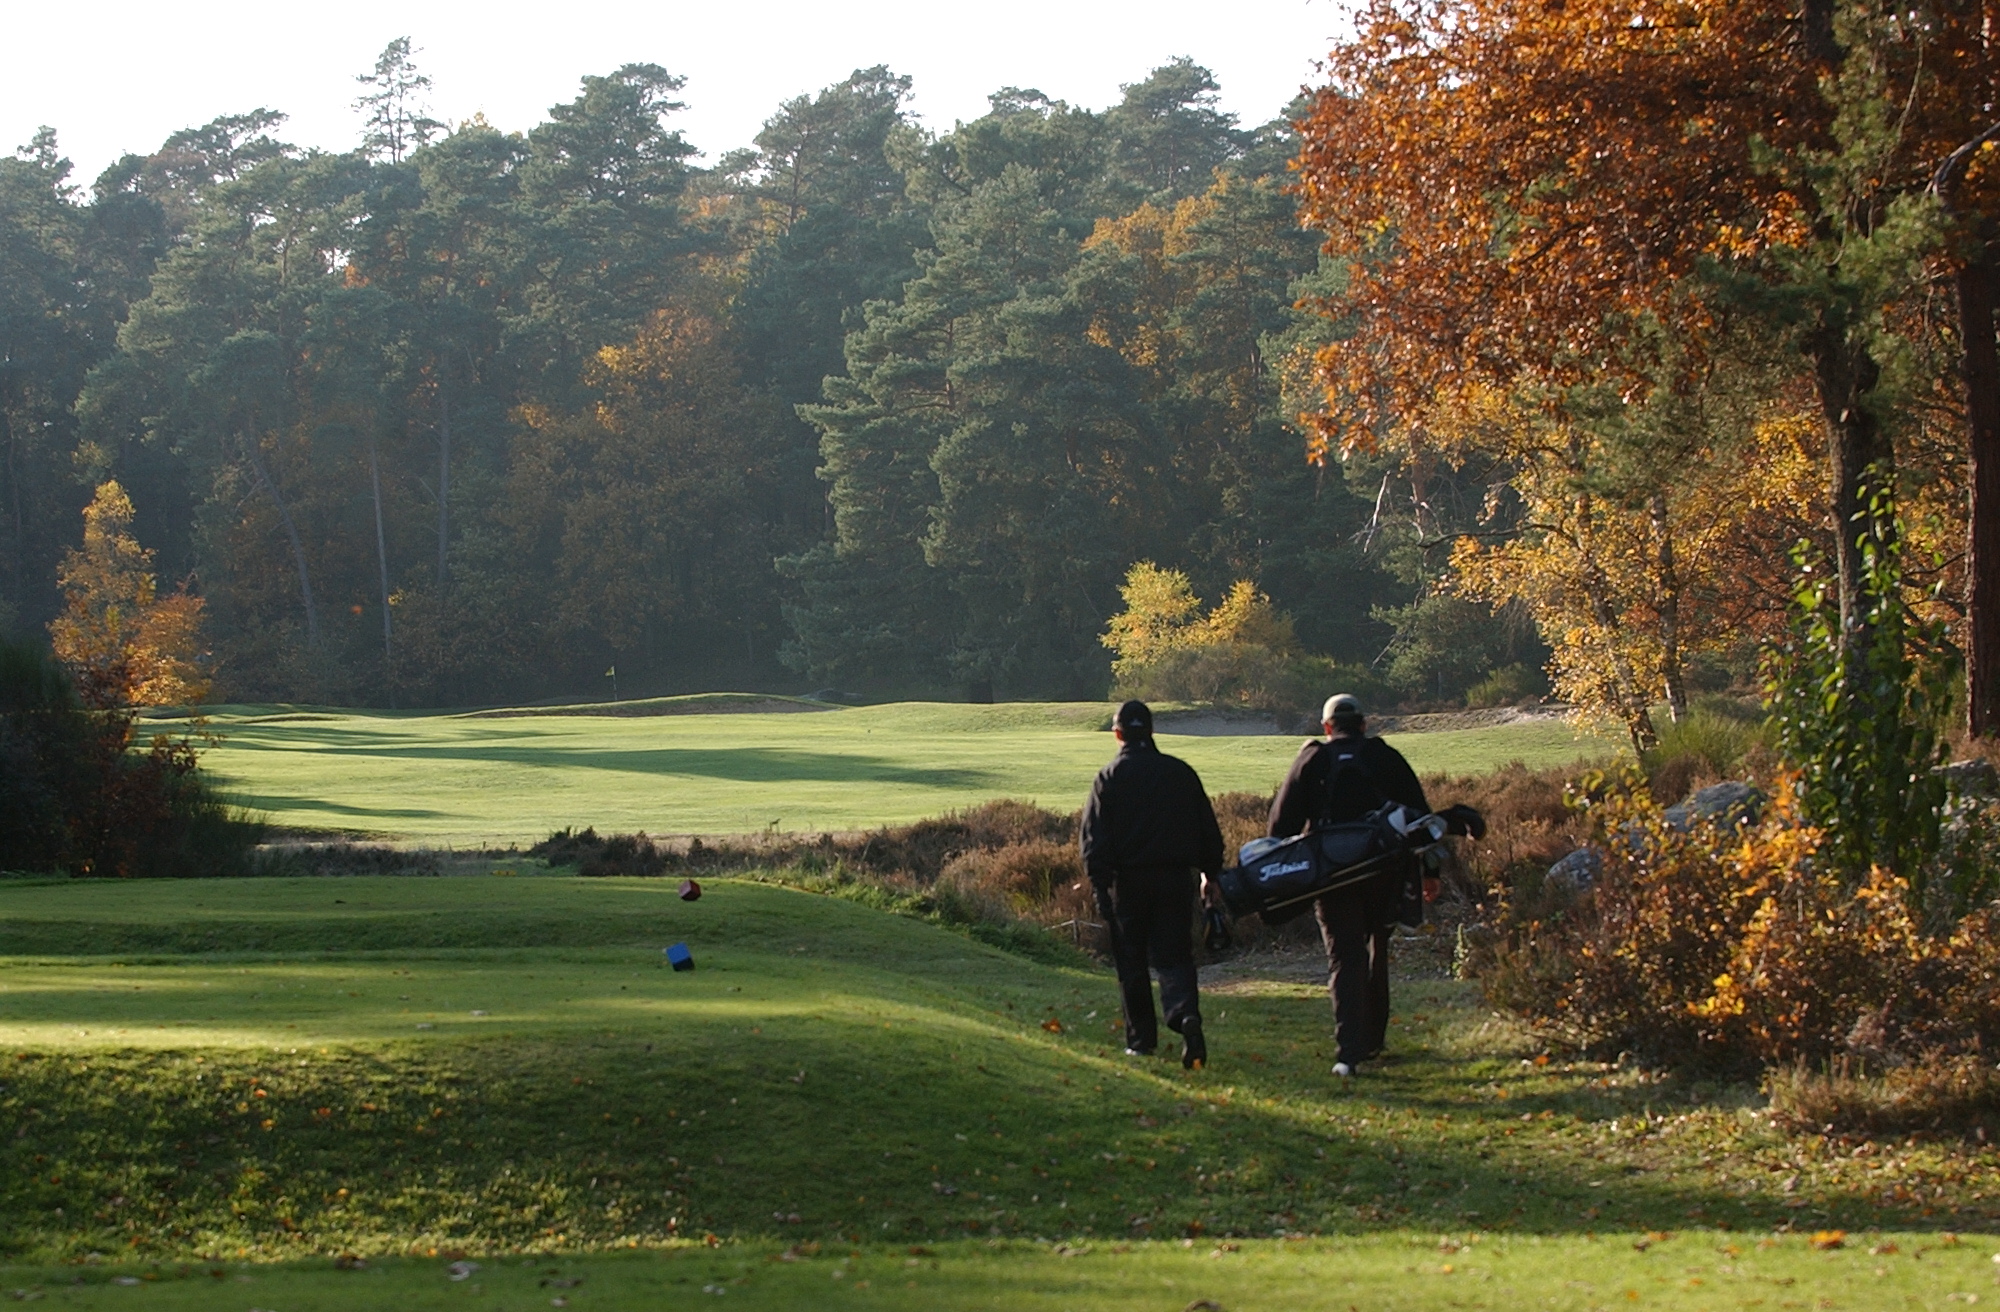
column 254, row 1077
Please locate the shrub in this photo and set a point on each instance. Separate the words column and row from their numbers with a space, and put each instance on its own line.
column 76, row 796
column 1510, row 685
column 1708, row 745
column 1024, row 876
column 1530, row 825
column 1743, row 948
column 1858, row 715
column 1952, row 1095
column 1248, row 676
column 620, row 854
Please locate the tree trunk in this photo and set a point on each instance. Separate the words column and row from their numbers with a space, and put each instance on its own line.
column 444, row 481
column 291, row 536
column 1982, row 545
column 1597, row 588
column 1863, row 462
column 1670, row 611
column 382, row 566
column 20, row 528
column 1816, row 32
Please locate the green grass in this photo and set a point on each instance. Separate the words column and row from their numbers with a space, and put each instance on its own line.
column 248, row 1078
column 484, row 779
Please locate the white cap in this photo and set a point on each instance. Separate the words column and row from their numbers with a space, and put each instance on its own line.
column 1341, row 703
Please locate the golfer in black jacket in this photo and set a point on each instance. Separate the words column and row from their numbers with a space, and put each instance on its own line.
column 1340, row 779
column 1146, row 829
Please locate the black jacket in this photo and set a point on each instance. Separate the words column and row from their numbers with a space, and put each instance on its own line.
column 1148, row 809
column 1365, row 773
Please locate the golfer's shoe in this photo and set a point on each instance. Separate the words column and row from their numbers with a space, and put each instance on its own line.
column 1194, row 1048
column 1138, row 1052
column 1343, row 1069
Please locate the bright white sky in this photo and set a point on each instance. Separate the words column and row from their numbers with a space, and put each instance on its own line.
column 118, row 76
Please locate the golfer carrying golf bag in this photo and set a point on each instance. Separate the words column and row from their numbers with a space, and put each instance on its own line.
column 1340, row 779
column 1147, row 828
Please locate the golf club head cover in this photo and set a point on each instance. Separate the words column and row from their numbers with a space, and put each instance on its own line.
column 1462, row 819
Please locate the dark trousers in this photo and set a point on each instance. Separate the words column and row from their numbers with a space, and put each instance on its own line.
column 1152, row 925
column 1354, row 923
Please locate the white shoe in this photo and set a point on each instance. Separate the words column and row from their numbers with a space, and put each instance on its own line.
column 1342, row 1069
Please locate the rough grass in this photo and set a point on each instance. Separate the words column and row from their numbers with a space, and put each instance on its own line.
column 482, row 780
column 254, row 1077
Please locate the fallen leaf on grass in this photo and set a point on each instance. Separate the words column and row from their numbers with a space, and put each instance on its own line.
column 462, row 1270
column 1828, row 1240
column 1052, row 1025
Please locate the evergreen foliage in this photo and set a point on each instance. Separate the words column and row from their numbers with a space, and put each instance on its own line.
column 466, row 415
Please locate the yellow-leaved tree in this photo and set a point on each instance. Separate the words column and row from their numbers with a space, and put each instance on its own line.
column 1636, row 554
column 124, row 643
column 1242, row 651
column 1160, row 608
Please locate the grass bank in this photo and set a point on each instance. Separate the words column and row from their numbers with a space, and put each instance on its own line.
column 495, row 779
column 257, row 1077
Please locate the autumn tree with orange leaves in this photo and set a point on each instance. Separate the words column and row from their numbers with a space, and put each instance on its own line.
column 124, row 644
column 1524, row 190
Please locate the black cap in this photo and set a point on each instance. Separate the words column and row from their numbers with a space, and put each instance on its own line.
column 1135, row 718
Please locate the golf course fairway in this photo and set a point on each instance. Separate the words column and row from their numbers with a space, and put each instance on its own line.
column 495, row 778
column 322, row 1093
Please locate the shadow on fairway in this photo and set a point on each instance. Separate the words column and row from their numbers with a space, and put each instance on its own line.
column 737, row 764
column 293, row 802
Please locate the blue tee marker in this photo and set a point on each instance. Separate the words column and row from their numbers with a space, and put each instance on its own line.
column 679, row 957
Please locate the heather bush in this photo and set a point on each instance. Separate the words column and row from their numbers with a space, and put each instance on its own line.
column 1530, row 825
column 1024, row 876
column 1950, row 1095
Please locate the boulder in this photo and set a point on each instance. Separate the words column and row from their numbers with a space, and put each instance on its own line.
column 1579, row 870
column 1731, row 802
column 1973, row 778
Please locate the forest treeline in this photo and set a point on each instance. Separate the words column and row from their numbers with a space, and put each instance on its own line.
column 465, row 415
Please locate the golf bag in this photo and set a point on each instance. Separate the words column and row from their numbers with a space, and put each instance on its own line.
column 1279, row 879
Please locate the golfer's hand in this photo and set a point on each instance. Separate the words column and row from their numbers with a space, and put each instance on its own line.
column 1211, row 891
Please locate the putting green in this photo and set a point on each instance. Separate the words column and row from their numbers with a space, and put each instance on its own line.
column 495, row 780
